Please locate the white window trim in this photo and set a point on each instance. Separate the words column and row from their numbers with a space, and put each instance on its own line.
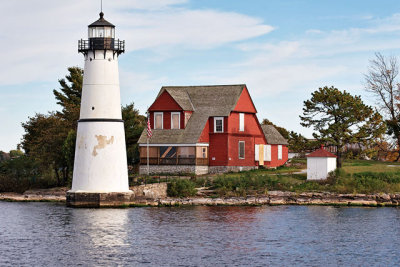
column 241, row 122
column 244, row 147
column 280, row 152
column 179, row 124
column 162, row 119
column 215, row 124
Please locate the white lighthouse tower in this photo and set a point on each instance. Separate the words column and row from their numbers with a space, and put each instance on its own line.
column 100, row 166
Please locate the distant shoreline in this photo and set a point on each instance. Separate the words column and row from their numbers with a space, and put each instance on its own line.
column 272, row 198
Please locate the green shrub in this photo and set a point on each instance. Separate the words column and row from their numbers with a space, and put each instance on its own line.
column 241, row 185
column 23, row 173
column 181, row 188
column 17, row 175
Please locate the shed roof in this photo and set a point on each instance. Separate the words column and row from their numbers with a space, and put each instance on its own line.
column 273, row 136
column 206, row 101
column 321, row 153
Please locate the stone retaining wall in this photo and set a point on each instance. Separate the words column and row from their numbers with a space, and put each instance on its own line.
column 154, row 191
column 156, row 195
column 221, row 169
column 155, row 169
column 285, row 198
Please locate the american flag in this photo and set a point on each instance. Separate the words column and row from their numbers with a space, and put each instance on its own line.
column 149, row 133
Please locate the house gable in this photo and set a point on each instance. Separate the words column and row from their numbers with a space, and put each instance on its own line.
column 165, row 102
column 245, row 103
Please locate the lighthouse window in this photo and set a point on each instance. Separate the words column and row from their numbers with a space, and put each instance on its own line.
column 92, row 32
column 101, row 32
column 107, row 33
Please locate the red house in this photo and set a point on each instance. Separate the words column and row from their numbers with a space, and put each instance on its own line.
column 208, row 129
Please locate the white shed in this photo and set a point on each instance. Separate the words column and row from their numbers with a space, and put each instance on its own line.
column 319, row 164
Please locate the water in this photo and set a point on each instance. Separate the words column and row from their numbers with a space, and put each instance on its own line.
column 48, row 234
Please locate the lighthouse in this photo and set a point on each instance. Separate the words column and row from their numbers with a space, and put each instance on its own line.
column 100, row 175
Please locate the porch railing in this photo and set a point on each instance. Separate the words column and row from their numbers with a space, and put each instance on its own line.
column 174, row 161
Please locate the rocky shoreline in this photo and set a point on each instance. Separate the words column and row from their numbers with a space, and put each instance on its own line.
column 155, row 196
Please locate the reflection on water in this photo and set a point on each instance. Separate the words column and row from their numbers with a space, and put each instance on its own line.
column 103, row 228
column 51, row 234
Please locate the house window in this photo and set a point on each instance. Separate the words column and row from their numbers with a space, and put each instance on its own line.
column 175, row 120
column 241, row 149
column 267, row 152
column 241, row 122
column 279, row 151
column 218, row 124
column 204, row 152
column 158, row 120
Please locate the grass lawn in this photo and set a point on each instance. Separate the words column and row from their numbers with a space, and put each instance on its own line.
column 356, row 176
column 356, row 166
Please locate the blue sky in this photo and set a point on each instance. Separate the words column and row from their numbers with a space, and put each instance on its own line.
column 282, row 50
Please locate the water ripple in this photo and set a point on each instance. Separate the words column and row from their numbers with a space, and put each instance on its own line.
column 37, row 234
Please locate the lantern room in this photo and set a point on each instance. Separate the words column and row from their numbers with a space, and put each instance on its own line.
column 101, row 36
column 101, row 28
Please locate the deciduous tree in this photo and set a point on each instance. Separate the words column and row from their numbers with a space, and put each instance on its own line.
column 43, row 141
column 382, row 80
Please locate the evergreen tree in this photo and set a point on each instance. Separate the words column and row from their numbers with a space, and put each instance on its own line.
column 69, row 96
column 134, row 125
column 340, row 118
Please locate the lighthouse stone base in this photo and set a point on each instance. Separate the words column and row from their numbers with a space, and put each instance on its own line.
column 99, row 200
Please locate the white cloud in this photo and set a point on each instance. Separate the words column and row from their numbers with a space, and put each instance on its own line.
column 123, row 5
column 196, row 29
column 42, row 42
column 281, row 75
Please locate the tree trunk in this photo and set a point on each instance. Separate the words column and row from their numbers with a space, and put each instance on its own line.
column 398, row 148
column 57, row 176
column 65, row 175
column 339, row 157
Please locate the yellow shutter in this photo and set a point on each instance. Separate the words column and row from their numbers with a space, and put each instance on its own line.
column 261, row 156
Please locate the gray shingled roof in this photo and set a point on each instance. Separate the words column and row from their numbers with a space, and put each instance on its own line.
column 206, row 101
column 273, row 136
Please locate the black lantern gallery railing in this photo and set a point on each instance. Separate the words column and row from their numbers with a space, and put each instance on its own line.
column 117, row 46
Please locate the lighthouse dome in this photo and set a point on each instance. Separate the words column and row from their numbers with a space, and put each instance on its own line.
column 101, row 22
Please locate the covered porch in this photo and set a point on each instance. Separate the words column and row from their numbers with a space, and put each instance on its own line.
column 174, row 155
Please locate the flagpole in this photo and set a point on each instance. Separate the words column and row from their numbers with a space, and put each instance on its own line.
column 148, row 164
